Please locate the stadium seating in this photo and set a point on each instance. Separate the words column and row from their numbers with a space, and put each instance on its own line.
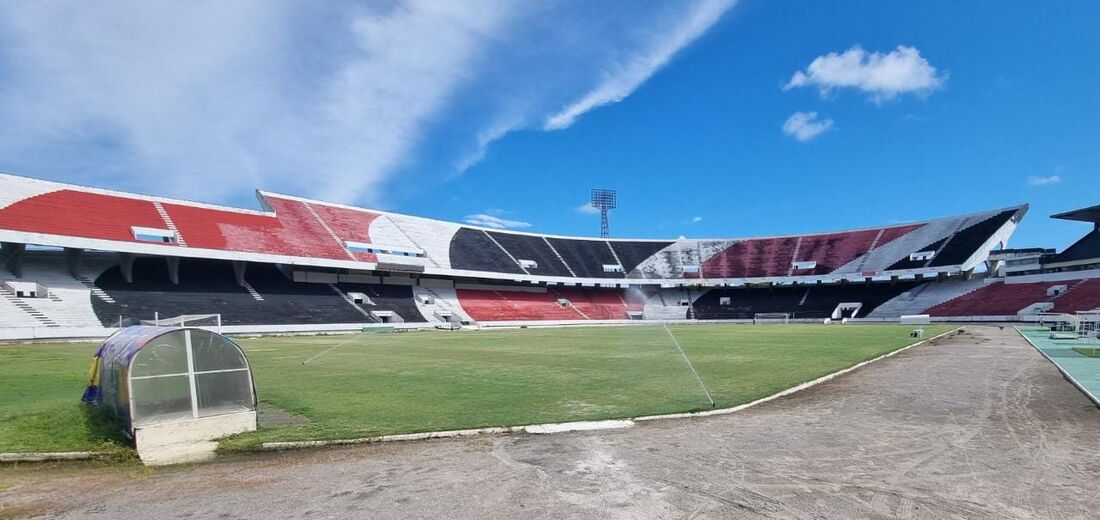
column 527, row 305
column 587, row 257
column 488, row 305
column 1082, row 295
column 808, row 302
column 966, row 242
column 752, row 258
column 995, row 299
column 208, row 287
column 632, row 253
column 472, row 249
column 535, row 248
column 66, row 213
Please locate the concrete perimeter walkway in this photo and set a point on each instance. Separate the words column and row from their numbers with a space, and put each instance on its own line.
column 975, row 426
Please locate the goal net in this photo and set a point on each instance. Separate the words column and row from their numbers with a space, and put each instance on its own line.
column 205, row 321
column 771, row 317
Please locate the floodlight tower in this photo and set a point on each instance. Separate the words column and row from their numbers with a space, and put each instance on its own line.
column 603, row 200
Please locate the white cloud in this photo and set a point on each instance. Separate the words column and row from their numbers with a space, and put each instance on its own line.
column 696, row 219
column 1038, row 180
column 881, row 76
column 805, row 126
column 494, row 222
column 628, row 75
column 587, row 209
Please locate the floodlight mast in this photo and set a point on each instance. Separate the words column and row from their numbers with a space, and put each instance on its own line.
column 603, row 200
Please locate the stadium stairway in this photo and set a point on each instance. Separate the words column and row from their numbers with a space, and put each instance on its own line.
column 444, row 300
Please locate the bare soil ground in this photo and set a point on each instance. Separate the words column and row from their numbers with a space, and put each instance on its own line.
column 977, row 425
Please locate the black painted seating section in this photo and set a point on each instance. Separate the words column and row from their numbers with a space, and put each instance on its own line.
column 801, row 302
column 634, row 253
column 396, row 298
column 963, row 245
column 586, row 257
column 209, row 287
column 527, row 247
column 473, row 250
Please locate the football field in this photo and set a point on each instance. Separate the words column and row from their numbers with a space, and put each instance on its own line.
column 348, row 386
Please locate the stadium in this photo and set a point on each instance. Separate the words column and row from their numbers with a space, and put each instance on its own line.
column 80, row 261
column 698, row 259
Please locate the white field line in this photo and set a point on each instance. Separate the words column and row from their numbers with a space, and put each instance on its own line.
column 692, row 367
column 791, row 390
column 330, row 349
column 1066, row 374
column 574, row 426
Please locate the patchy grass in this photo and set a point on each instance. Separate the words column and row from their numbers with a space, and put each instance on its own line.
column 379, row 384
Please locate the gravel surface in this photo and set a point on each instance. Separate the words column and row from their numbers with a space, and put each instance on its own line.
column 977, row 425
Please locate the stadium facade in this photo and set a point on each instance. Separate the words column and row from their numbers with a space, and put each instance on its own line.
column 78, row 261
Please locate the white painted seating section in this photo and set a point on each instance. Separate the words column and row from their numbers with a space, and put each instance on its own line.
column 444, row 300
column 885, row 255
column 433, row 236
column 69, row 303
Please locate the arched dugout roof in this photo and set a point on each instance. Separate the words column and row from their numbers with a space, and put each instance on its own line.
column 152, row 375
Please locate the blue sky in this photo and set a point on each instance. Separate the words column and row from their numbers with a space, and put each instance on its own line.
column 710, row 117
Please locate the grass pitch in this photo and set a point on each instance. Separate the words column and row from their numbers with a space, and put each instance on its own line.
column 377, row 384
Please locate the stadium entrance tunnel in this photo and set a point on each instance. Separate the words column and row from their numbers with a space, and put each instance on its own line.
column 174, row 390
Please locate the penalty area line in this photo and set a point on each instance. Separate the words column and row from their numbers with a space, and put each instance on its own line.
column 330, row 349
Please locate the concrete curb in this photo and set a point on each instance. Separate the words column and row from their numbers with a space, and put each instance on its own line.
column 49, row 456
column 453, row 434
column 793, row 389
column 1095, row 400
column 580, row 425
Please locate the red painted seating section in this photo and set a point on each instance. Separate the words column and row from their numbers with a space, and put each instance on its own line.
column 348, row 225
column 81, row 214
column 996, row 299
column 521, row 305
column 294, row 232
column 1083, row 295
column 752, row 258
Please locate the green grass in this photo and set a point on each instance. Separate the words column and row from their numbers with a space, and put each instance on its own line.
column 398, row 383
column 1092, row 351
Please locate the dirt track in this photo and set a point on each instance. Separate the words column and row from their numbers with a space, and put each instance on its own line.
column 976, row 426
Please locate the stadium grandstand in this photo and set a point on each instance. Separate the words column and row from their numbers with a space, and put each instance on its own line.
column 79, row 261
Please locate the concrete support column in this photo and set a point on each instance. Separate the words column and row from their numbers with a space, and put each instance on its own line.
column 126, row 265
column 73, row 256
column 239, row 268
column 173, row 269
column 12, row 255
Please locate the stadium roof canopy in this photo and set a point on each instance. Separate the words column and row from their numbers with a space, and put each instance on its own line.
column 1089, row 214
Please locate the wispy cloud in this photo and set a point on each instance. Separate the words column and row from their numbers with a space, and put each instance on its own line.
column 587, row 209
column 1041, row 180
column 883, row 76
column 626, row 76
column 494, row 222
column 805, row 126
column 696, row 219
column 334, row 100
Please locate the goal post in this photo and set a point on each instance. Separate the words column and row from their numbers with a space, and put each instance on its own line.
column 205, row 321
column 771, row 317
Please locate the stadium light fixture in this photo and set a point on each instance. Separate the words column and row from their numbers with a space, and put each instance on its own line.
column 603, row 200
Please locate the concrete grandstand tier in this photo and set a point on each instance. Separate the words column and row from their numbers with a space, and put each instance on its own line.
column 290, row 230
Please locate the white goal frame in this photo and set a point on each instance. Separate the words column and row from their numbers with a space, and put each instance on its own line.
column 771, row 317
column 203, row 321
